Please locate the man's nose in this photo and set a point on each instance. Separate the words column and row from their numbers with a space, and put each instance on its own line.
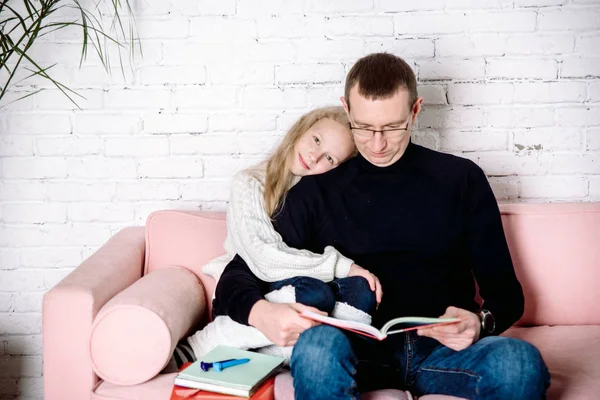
column 378, row 142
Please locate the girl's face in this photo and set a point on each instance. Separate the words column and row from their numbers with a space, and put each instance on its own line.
column 323, row 147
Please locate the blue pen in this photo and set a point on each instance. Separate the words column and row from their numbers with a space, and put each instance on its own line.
column 221, row 365
column 205, row 366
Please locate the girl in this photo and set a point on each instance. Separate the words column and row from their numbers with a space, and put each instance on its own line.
column 318, row 142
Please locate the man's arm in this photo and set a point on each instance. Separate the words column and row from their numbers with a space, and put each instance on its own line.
column 489, row 256
column 237, row 291
column 489, row 259
column 296, row 218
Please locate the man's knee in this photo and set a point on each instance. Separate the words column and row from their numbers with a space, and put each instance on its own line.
column 321, row 342
column 315, row 293
column 323, row 364
column 320, row 349
column 532, row 366
column 515, row 367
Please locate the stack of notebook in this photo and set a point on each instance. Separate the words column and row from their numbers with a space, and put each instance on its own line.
column 253, row 379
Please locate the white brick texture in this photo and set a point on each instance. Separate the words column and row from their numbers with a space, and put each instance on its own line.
column 513, row 85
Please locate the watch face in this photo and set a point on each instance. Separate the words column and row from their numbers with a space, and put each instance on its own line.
column 488, row 321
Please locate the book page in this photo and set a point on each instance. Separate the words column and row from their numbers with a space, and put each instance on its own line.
column 402, row 324
column 357, row 327
column 406, row 324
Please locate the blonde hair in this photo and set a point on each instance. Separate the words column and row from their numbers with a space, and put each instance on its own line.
column 278, row 178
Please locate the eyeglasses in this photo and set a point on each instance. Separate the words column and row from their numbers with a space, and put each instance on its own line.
column 369, row 133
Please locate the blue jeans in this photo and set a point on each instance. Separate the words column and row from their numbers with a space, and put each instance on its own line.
column 328, row 363
column 354, row 291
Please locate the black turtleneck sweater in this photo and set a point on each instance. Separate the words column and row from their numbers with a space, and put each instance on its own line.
column 424, row 226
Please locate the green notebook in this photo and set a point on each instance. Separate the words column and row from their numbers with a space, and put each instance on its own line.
column 241, row 380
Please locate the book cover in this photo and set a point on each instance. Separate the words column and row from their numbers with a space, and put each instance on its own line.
column 241, row 380
column 402, row 324
column 265, row 392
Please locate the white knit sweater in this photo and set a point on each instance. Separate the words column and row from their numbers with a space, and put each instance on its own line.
column 250, row 234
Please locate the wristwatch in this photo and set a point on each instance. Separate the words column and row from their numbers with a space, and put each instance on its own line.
column 488, row 323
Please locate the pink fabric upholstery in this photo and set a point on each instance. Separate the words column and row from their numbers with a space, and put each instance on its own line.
column 556, row 252
column 146, row 319
column 70, row 307
column 158, row 388
column 187, row 239
column 554, row 248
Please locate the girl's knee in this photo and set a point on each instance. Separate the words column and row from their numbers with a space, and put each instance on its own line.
column 315, row 293
column 356, row 292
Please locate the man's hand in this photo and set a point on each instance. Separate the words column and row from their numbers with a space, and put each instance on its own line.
column 457, row 336
column 357, row 270
column 281, row 323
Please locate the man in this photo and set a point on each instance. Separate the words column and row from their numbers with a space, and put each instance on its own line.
column 424, row 223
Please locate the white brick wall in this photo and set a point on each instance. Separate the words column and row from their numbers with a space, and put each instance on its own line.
column 513, row 85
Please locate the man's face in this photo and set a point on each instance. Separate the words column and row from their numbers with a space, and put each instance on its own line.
column 382, row 149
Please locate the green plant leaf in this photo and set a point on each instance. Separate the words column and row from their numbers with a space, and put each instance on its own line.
column 35, row 23
column 59, row 85
column 21, row 20
column 21, row 98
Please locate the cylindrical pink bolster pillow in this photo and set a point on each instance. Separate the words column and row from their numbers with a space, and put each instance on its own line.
column 135, row 333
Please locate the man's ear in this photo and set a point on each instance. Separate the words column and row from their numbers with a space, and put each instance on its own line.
column 343, row 99
column 416, row 109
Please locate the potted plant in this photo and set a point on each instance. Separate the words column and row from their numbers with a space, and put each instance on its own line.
column 24, row 22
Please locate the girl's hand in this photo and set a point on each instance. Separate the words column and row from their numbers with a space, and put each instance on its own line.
column 357, row 270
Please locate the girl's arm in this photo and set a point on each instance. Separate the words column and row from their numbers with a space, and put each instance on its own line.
column 263, row 249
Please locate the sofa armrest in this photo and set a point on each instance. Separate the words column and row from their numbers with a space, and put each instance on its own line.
column 70, row 307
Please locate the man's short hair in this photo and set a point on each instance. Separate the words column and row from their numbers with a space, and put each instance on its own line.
column 379, row 76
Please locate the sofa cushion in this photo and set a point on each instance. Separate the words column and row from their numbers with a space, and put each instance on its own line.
column 185, row 238
column 135, row 333
column 158, row 388
column 571, row 354
column 554, row 248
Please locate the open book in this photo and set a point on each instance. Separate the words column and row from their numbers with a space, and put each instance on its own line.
column 402, row 324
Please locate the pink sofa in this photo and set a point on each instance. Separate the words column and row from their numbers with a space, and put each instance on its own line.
column 109, row 327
